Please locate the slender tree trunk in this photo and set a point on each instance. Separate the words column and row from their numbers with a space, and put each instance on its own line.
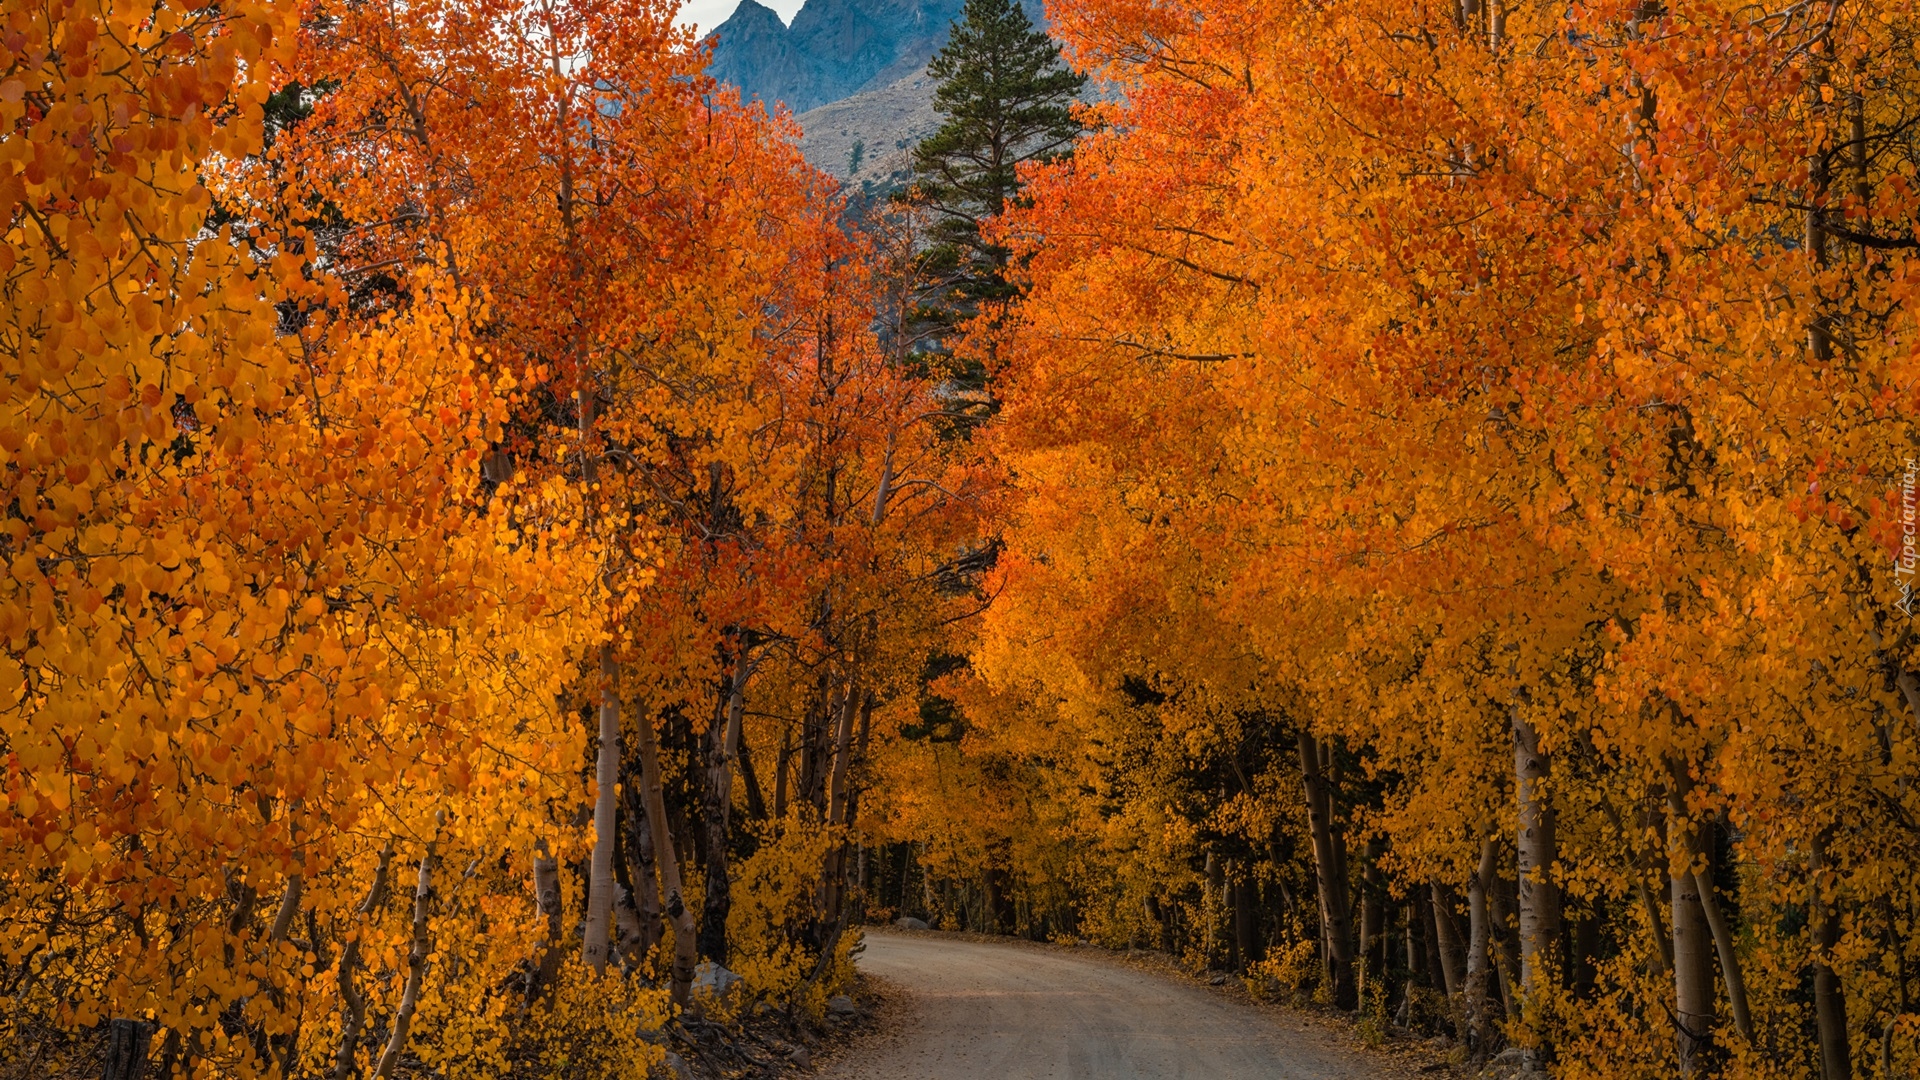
column 833, row 873
column 629, row 936
column 1665, row 955
column 1502, row 898
column 1162, row 926
column 594, row 947
column 1479, row 950
column 642, row 870
column 1418, row 932
column 1692, row 970
column 679, row 916
column 862, row 739
column 1814, row 239
column 1328, row 868
column 842, row 755
column 128, row 1043
column 1216, row 894
column 1373, row 917
column 1330, row 773
column 1642, row 867
column 723, row 745
column 1723, row 945
column 353, row 1007
column 1695, row 843
column 1466, row 15
column 1722, row 934
column 756, row 800
column 416, row 969
column 1452, row 951
column 282, row 927
column 1829, row 1001
column 546, row 893
column 594, row 940
column 815, row 749
column 993, row 890
column 1539, row 897
column 1246, row 916
column 1644, row 124
column 780, row 774
column 289, row 907
column 1586, row 955
column 607, row 764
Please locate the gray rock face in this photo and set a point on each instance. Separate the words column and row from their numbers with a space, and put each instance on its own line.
column 834, row 49
column 841, row 1005
column 755, row 51
column 711, row 978
column 885, row 124
column 909, row 923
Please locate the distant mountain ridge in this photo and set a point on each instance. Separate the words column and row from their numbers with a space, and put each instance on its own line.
column 833, row 50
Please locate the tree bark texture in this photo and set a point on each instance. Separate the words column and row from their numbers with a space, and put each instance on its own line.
column 1829, row 1001
column 834, row 872
column 1452, row 951
column 353, row 1007
column 679, row 916
column 1329, row 870
column 1692, row 975
column 1373, row 916
column 1723, row 945
column 641, row 868
column 1479, row 1006
column 723, row 747
column 1539, row 897
column 417, row 953
column 594, row 947
column 127, row 1048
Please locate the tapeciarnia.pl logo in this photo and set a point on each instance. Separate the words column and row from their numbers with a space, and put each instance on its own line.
column 1905, row 564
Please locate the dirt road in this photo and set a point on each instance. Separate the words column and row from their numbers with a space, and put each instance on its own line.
column 1004, row 1012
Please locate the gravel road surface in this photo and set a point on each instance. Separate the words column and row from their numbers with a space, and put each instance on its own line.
column 975, row 1011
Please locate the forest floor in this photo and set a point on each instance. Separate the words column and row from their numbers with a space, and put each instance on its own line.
column 773, row 1045
column 968, row 1007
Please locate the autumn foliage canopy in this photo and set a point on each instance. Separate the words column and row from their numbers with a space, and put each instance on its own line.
column 415, row 416
column 1463, row 550
column 1425, row 518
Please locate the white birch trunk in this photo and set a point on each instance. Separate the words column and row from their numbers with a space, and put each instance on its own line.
column 594, row 948
column 1692, row 941
column 416, row 969
column 1538, row 898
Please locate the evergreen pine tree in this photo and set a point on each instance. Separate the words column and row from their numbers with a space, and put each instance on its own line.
column 1007, row 99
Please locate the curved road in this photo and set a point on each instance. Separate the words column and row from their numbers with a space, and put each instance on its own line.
column 1006, row 1012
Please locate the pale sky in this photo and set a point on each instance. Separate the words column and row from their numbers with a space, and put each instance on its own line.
column 707, row 14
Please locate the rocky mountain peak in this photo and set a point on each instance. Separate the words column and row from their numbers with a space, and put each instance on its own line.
column 833, row 49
